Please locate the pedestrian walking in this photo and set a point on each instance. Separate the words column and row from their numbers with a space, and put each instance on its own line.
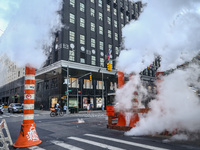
column 91, row 107
column 88, row 107
column 65, row 108
column 41, row 107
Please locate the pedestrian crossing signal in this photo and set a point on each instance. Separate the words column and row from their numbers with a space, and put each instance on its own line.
column 109, row 66
column 90, row 77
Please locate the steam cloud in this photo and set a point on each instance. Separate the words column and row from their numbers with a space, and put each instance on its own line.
column 168, row 29
column 30, row 30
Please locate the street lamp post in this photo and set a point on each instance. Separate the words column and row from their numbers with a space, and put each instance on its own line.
column 67, row 88
column 102, row 92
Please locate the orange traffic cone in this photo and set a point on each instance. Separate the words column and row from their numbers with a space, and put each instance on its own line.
column 134, row 120
column 28, row 135
column 121, row 120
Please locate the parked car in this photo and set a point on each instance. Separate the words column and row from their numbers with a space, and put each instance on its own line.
column 15, row 107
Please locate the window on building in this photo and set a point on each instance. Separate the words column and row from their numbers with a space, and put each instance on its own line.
column 115, row 23
column 18, row 73
column 100, row 45
column 92, row 1
column 126, row 7
column 116, row 36
column 122, row 25
column 73, row 83
column 82, row 22
column 108, row 7
column 109, row 46
column 102, row 62
column 100, row 3
column 54, row 83
column 46, row 84
column 82, row 39
column 100, row 16
column 109, row 33
column 127, row 18
column 92, row 27
column 121, row 3
column 71, row 18
column 100, row 85
column 71, row 55
column 108, row 20
column 101, row 30
column 92, row 12
column 115, row 11
column 82, row 7
column 116, row 50
column 71, row 36
column 72, row 3
column 93, row 42
column 87, row 84
column 122, row 15
column 82, row 60
column 93, row 60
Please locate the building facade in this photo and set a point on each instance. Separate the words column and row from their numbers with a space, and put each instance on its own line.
column 91, row 29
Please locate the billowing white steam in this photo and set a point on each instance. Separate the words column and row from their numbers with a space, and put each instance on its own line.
column 169, row 29
column 30, row 30
column 166, row 28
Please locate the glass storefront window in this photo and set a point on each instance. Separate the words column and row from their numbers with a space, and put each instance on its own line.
column 53, row 101
column 73, row 102
column 84, row 102
column 98, row 102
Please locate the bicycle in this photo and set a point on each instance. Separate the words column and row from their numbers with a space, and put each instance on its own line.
column 53, row 112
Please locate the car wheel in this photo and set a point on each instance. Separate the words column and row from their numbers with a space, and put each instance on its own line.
column 12, row 111
column 8, row 110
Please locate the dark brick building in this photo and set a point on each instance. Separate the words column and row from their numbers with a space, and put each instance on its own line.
column 91, row 29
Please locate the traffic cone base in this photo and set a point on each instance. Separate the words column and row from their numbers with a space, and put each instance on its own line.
column 27, row 137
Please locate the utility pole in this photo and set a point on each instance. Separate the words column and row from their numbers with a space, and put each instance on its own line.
column 67, row 88
column 102, row 92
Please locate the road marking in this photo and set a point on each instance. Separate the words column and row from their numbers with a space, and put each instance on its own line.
column 36, row 148
column 95, row 143
column 67, row 146
column 5, row 116
column 126, row 142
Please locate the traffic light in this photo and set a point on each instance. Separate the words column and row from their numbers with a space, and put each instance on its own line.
column 109, row 66
column 90, row 77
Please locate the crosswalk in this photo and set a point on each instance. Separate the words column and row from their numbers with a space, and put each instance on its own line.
column 13, row 115
column 89, row 115
column 96, row 141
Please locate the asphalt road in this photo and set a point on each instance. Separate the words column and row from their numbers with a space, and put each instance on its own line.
column 87, row 131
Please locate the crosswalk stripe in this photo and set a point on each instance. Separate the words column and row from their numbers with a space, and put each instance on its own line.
column 95, row 143
column 126, row 142
column 67, row 146
column 36, row 148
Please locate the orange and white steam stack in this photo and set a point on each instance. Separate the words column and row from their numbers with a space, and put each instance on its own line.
column 28, row 135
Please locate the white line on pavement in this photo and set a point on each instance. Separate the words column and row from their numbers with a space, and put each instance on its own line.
column 126, row 142
column 67, row 146
column 36, row 148
column 95, row 143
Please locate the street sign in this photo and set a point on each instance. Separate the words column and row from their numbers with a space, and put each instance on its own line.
column 68, row 91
